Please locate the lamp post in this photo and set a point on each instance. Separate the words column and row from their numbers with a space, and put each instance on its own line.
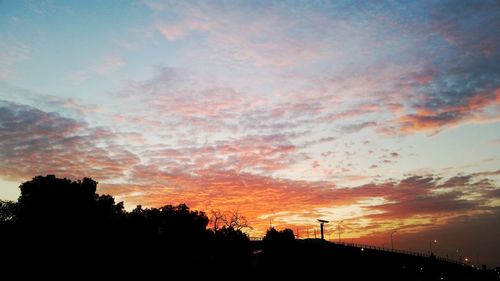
column 430, row 244
column 392, row 241
column 321, row 223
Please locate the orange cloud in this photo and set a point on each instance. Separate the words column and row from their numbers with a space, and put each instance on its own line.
column 413, row 201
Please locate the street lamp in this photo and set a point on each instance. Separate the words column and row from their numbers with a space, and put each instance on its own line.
column 321, row 223
column 392, row 241
column 430, row 244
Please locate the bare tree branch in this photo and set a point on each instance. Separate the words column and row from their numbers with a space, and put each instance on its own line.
column 229, row 219
column 217, row 218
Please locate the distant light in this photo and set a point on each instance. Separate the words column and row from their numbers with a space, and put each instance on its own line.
column 362, row 249
column 442, row 278
column 435, row 241
column 466, row 259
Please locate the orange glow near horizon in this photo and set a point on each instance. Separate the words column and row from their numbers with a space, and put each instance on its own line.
column 411, row 205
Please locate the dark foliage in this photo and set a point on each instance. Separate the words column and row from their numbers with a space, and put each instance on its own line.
column 284, row 236
column 8, row 211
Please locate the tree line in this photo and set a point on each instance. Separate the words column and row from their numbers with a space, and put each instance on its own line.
column 70, row 220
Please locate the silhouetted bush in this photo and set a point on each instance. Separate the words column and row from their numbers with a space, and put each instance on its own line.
column 283, row 236
column 230, row 234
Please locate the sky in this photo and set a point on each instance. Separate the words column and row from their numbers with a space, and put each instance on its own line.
column 378, row 116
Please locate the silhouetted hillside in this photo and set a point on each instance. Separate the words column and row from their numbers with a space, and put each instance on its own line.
column 63, row 228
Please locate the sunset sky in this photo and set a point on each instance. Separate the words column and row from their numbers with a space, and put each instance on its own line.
column 385, row 115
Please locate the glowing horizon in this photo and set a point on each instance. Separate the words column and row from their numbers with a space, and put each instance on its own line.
column 384, row 115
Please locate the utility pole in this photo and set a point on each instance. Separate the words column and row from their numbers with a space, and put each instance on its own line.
column 338, row 228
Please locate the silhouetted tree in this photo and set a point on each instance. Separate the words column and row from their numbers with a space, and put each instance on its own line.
column 233, row 220
column 236, row 221
column 274, row 236
column 172, row 222
column 181, row 223
column 8, row 211
column 217, row 218
column 54, row 205
column 231, row 250
column 106, row 208
column 230, row 234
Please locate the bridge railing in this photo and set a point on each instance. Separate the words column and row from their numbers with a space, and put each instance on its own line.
column 406, row 252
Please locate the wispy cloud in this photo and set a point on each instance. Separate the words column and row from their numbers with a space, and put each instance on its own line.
column 109, row 65
column 10, row 54
column 70, row 106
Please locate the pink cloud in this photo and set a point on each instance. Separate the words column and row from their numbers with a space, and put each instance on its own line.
column 264, row 40
column 179, row 30
column 39, row 142
column 264, row 154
